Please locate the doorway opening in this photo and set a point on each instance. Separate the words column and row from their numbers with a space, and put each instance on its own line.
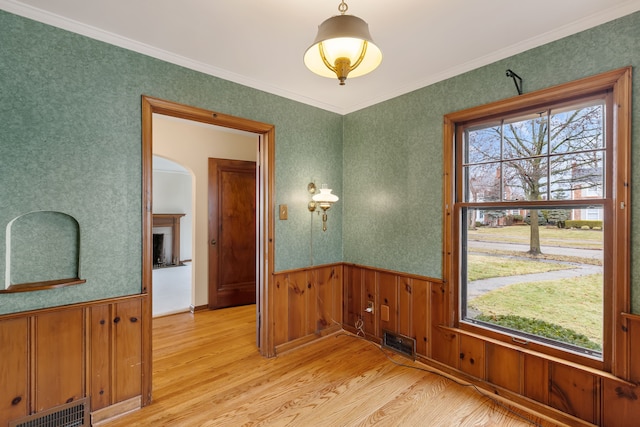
column 264, row 217
column 173, row 283
column 194, row 145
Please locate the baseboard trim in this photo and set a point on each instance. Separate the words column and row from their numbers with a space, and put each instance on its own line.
column 300, row 342
column 194, row 308
column 103, row 415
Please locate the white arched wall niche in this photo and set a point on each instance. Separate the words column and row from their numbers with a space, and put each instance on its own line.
column 191, row 144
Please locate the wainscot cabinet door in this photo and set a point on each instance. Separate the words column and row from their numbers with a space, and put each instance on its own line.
column 59, row 358
column 13, row 370
column 127, row 350
column 100, row 330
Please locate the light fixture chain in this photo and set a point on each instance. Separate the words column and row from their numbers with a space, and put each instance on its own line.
column 342, row 7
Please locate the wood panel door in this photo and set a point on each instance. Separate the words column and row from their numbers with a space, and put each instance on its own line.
column 232, row 233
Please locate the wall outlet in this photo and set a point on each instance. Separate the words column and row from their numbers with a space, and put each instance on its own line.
column 369, row 308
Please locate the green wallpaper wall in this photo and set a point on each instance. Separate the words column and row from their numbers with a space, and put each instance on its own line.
column 70, row 143
column 393, row 150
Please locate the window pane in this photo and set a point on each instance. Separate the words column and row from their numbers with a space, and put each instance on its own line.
column 577, row 129
column 541, row 283
column 526, row 179
column 482, row 144
column 562, row 176
column 572, row 170
column 483, row 183
column 577, row 176
column 526, row 137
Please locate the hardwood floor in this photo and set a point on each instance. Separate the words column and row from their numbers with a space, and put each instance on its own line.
column 207, row 372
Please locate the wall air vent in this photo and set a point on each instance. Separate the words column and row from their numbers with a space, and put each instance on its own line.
column 74, row 414
column 399, row 343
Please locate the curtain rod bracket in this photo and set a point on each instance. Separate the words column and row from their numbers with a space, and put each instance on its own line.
column 517, row 82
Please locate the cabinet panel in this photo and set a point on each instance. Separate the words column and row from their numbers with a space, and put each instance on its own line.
column 620, row 405
column 13, row 370
column 388, row 307
column 370, row 284
column 59, row 358
column 296, row 284
column 306, row 302
column 353, row 292
column 100, row 358
column 337, row 274
column 280, row 309
column 634, row 349
column 127, row 350
column 420, row 314
column 574, row 391
column 503, row 367
column 324, row 314
column 310, row 307
column 472, row 356
column 405, row 306
column 443, row 343
column 536, row 378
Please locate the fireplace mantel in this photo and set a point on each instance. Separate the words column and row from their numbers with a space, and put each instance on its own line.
column 172, row 221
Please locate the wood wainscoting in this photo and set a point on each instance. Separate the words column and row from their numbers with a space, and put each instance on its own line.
column 568, row 392
column 307, row 305
column 59, row 355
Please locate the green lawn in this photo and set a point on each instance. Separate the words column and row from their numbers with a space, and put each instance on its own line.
column 574, row 304
column 550, row 236
column 487, row 266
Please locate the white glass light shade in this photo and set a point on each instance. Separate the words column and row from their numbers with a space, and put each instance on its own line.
column 325, row 199
column 342, row 36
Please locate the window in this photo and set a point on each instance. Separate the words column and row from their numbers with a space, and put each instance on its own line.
column 535, row 199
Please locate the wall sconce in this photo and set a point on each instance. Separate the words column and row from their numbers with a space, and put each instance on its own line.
column 324, row 200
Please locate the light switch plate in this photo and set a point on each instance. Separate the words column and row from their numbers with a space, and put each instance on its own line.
column 284, row 212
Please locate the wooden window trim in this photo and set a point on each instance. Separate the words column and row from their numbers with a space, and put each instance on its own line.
column 616, row 357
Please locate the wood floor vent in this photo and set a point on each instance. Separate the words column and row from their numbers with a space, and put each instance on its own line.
column 74, row 414
column 399, row 343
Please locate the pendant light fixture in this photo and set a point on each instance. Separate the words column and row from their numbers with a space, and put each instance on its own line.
column 343, row 47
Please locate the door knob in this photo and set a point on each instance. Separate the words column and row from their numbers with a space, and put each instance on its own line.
column 213, row 242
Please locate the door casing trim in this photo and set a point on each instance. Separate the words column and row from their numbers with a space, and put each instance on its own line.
column 264, row 216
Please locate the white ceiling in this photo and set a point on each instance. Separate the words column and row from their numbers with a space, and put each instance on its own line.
column 260, row 43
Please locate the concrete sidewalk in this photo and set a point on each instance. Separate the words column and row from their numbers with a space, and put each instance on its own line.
column 480, row 287
column 550, row 250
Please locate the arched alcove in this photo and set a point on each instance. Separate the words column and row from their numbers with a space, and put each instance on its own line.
column 43, row 251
